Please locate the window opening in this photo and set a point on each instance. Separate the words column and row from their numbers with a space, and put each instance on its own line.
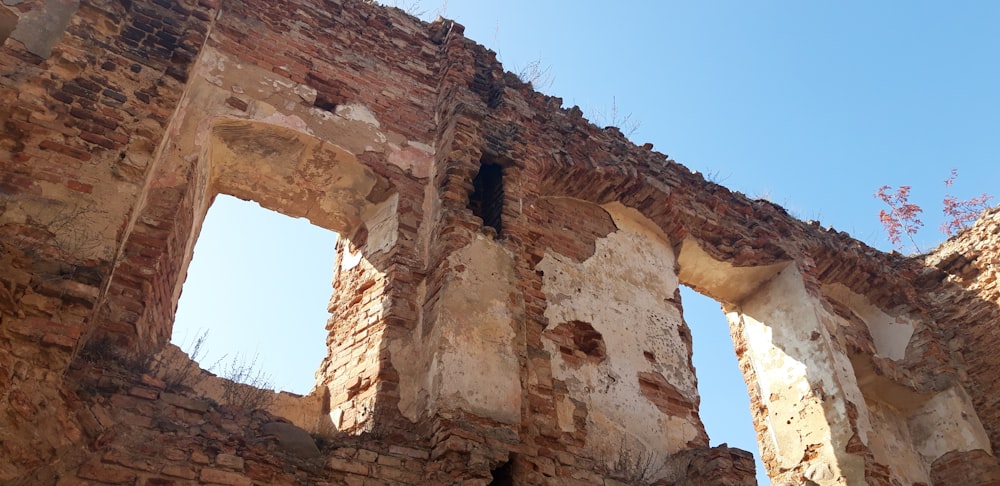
column 503, row 475
column 486, row 200
column 259, row 283
column 725, row 404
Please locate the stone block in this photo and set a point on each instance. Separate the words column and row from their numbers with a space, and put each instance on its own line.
column 215, row 476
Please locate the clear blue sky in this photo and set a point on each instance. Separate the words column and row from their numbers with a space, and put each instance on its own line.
column 811, row 105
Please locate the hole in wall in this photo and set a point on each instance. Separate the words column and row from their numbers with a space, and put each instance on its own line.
column 486, row 200
column 325, row 103
column 503, row 475
column 578, row 342
column 258, row 283
column 725, row 404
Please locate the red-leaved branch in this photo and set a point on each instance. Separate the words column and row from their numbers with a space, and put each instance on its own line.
column 961, row 214
column 903, row 219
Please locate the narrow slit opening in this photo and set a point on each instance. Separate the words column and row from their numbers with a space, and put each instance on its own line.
column 486, row 200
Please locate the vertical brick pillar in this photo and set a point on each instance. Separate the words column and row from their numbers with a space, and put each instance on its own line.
column 801, row 401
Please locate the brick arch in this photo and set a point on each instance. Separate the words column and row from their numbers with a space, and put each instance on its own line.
column 683, row 204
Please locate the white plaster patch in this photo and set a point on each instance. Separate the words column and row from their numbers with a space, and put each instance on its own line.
column 211, row 66
column 891, row 444
column 337, row 417
column 412, row 158
column 948, row 422
column 288, row 121
column 383, row 225
column 478, row 370
column 350, row 260
column 421, row 146
column 282, row 83
column 782, row 382
column 357, row 112
column 308, row 94
column 474, row 367
column 890, row 334
column 321, row 114
column 721, row 280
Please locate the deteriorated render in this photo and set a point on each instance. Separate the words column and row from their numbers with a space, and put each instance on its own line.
column 505, row 306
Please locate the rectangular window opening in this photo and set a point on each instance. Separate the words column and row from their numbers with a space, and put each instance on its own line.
column 257, row 291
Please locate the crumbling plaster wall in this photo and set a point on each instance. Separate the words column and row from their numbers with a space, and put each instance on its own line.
column 374, row 124
column 803, row 381
column 467, row 358
column 641, row 392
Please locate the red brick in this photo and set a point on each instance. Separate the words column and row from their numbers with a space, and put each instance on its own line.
column 79, row 186
column 106, row 474
column 65, row 150
column 215, row 476
column 185, row 472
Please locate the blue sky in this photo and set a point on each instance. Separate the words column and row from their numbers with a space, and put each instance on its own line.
column 811, row 105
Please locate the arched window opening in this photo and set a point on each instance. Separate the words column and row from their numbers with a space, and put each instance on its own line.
column 725, row 404
column 258, row 283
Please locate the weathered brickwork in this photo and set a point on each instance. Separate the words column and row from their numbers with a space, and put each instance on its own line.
column 968, row 267
column 505, row 304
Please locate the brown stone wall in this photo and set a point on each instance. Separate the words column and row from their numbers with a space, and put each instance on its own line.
column 81, row 126
column 86, row 92
column 120, row 122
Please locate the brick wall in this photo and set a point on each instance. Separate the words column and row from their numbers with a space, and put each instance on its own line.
column 966, row 295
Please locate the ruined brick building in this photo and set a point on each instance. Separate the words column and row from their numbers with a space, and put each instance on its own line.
column 505, row 306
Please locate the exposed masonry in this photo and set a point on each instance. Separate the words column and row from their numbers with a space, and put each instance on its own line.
column 486, row 200
column 505, row 305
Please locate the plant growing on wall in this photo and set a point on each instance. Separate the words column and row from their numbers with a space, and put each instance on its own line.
column 902, row 219
column 612, row 117
column 246, row 385
column 635, row 465
column 961, row 213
